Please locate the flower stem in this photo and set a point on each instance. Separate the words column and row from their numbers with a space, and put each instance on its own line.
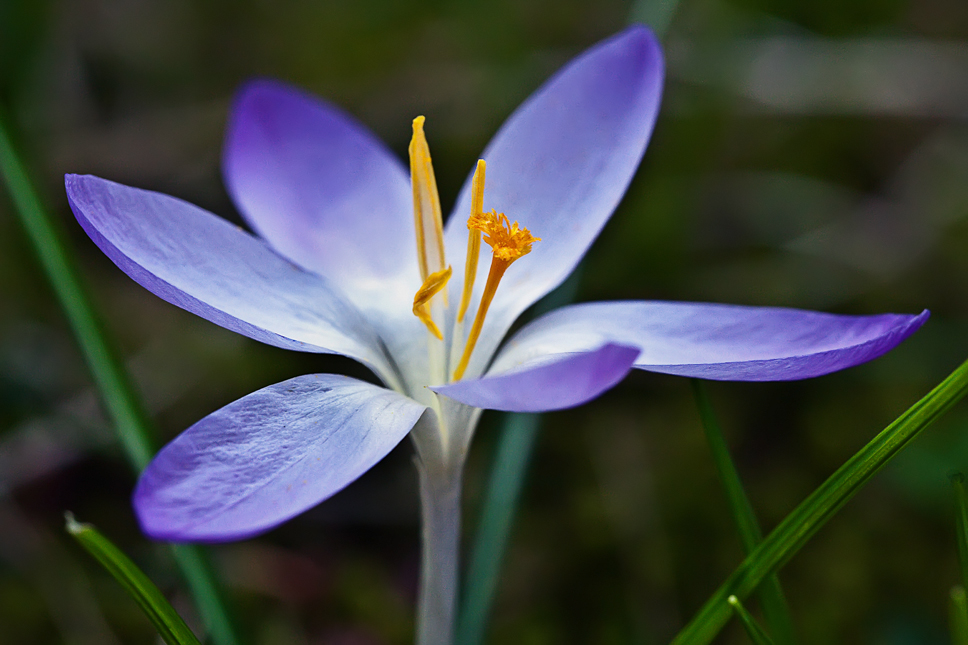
column 440, row 492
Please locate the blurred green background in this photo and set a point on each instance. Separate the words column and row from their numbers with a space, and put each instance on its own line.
column 808, row 154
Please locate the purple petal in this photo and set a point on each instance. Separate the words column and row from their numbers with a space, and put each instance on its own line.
column 206, row 265
column 712, row 341
column 559, row 166
column 269, row 456
column 552, row 382
column 324, row 192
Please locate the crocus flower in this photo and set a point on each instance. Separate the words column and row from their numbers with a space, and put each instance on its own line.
column 336, row 271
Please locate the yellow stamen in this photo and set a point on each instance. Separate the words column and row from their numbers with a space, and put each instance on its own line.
column 429, row 226
column 421, row 302
column 426, row 204
column 508, row 242
column 473, row 238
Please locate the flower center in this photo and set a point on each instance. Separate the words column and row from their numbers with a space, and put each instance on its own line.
column 508, row 242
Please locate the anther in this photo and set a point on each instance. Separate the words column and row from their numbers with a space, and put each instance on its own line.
column 421, row 302
column 426, row 204
column 429, row 227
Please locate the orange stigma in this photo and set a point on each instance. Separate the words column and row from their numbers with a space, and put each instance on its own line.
column 508, row 242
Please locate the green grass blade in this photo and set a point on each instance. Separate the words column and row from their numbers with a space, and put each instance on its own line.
column 123, row 406
column 739, row 504
column 775, row 608
column 958, row 615
column 197, row 571
column 755, row 632
column 961, row 524
column 162, row 615
column 957, row 606
column 116, row 392
column 657, row 14
column 807, row 518
column 504, row 488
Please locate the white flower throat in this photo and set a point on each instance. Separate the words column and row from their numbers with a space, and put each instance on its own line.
column 508, row 242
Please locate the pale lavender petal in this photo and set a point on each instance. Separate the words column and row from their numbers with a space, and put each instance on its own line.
column 269, row 456
column 559, row 166
column 548, row 382
column 713, row 341
column 324, row 192
column 204, row 264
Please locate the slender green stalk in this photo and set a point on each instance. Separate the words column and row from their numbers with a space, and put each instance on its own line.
column 197, row 570
column 957, row 607
column 753, row 629
column 958, row 615
column 961, row 524
column 513, row 453
column 657, row 14
column 118, row 394
column 162, row 615
column 807, row 518
column 775, row 608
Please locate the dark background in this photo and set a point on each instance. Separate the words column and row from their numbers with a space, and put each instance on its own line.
column 808, row 154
